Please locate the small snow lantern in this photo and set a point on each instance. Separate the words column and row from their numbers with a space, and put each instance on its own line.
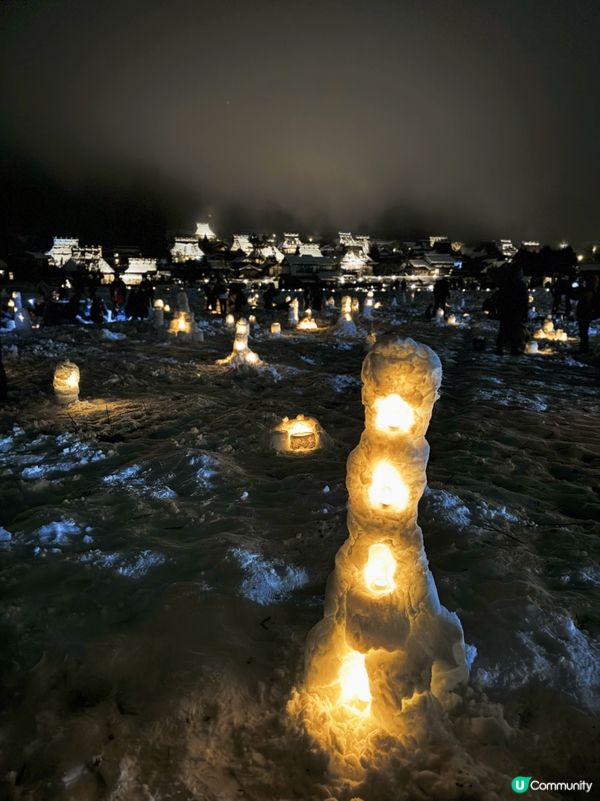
column 531, row 347
column 181, row 325
column 297, row 436
column 368, row 305
column 66, row 383
column 230, row 321
column 241, row 355
column 158, row 314
column 452, row 320
column 345, row 326
column 293, row 312
column 252, row 319
column 307, row 323
column 275, row 330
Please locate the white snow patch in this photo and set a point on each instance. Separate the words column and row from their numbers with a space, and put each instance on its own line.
column 447, row 506
column 267, row 582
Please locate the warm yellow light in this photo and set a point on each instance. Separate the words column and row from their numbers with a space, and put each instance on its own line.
column 387, row 489
column 252, row 358
column 394, row 414
column 72, row 381
column 181, row 323
column 299, row 427
column 379, row 570
column 355, row 692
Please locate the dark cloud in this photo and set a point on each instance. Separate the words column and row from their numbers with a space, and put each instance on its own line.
column 476, row 117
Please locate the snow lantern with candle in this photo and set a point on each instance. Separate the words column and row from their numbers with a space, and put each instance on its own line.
column 275, row 330
column 307, row 323
column 181, row 325
column 66, row 383
column 345, row 326
column 241, row 355
column 387, row 655
column 300, row 435
column 368, row 305
column 293, row 312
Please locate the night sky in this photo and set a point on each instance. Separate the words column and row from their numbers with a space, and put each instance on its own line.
column 476, row 119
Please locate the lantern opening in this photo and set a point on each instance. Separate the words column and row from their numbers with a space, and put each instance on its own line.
column 379, row 570
column 355, row 691
column 394, row 414
column 387, row 489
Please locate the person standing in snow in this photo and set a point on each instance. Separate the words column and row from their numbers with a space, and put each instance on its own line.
column 513, row 306
column 441, row 293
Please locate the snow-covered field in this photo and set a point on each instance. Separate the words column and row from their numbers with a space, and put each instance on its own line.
column 161, row 566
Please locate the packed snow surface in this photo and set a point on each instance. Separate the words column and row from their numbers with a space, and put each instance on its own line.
column 161, row 567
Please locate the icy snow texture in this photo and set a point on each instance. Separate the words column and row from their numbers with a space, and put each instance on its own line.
column 267, row 582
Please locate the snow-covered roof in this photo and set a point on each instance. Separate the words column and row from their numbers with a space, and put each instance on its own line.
column 203, row 230
column 310, row 249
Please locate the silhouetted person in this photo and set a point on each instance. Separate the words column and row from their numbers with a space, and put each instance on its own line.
column 587, row 309
column 222, row 294
column 118, row 295
column 73, row 309
column 317, row 298
column 513, row 305
column 240, row 300
column 98, row 310
column 441, row 293
column 269, row 296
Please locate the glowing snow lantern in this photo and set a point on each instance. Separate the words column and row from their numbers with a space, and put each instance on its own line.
column 531, row 347
column 355, row 307
column 230, row 321
column 380, row 570
column 307, row 323
column 355, row 692
column 158, row 314
column 181, row 325
column 393, row 414
column 297, row 436
column 371, row 661
column 345, row 326
column 66, row 383
column 439, row 316
column 293, row 312
column 275, row 330
column 368, row 305
column 167, row 308
column 252, row 319
column 452, row 320
column 241, row 355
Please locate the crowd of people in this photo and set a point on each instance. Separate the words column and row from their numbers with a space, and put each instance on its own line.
column 509, row 303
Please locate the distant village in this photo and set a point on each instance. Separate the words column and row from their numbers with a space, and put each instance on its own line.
column 291, row 259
